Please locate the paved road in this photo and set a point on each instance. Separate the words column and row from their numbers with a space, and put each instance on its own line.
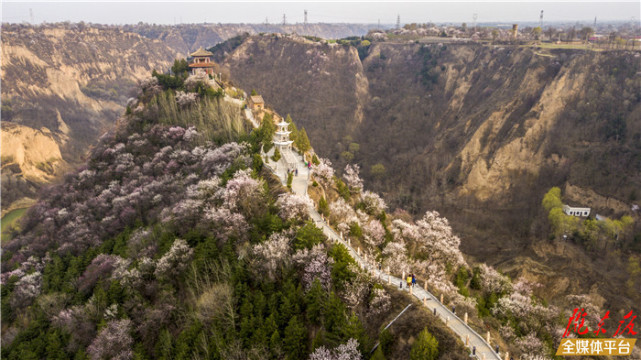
column 483, row 350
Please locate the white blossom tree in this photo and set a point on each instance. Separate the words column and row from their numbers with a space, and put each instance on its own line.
column 374, row 232
column 272, row 255
column 347, row 351
column 374, row 204
column 113, row 342
column 293, row 206
column 324, row 172
column 175, row 261
column 352, row 177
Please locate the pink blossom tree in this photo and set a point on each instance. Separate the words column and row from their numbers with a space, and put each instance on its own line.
column 316, row 265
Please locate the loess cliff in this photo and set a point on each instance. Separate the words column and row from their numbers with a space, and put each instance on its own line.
column 476, row 132
column 63, row 86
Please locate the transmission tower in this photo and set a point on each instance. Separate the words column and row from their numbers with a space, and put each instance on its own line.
column 541, row 20
column 305, row 17
column 31, row 14
column 398, row 21
column 379, row 24
column 595, row 23
column 284, row 19
column 474, row 17
column 266, row 20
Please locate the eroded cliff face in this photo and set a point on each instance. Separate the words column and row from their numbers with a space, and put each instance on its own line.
column 478, row 133
column 455, row 122
column 325, row 84
column 62, row 87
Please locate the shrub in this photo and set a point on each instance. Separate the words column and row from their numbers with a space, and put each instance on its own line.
column 323, row 207
column 308, row 236
column 276, row 155
column 386, row 341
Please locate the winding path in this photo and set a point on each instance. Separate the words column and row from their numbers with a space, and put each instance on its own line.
column 483, row 349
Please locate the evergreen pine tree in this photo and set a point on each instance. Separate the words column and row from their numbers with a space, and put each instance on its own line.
column 425, row 347
column 303, row 141
column 295, row 341
column 334, row 319
column 315, row 302
column 354, row 330
column 164, row 346
column 275, row 344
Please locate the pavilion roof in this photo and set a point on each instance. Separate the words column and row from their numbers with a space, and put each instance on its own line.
column 201, row 52
column 257, row 99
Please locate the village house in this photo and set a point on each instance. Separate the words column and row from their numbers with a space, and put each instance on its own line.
column 576, row 211
column 256, row 103
column 201, row 61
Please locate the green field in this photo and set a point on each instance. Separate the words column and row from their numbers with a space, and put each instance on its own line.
column 9, row 220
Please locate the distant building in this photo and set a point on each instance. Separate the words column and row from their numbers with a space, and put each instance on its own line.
column 202, row 62
column 256, row 102
column 576, row 211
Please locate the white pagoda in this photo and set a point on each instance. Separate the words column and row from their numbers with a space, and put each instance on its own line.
column 284, row 145
column 281, row 137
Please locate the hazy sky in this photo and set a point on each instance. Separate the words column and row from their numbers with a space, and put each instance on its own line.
column 114, row 12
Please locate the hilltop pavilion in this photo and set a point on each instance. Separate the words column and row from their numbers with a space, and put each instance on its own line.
column 202, row 62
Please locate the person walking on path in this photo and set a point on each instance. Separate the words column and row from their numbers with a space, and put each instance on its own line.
column 413, row 280
column 296, row 171
column 409, row 281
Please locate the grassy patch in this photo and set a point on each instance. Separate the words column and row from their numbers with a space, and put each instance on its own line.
column 8, row 222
